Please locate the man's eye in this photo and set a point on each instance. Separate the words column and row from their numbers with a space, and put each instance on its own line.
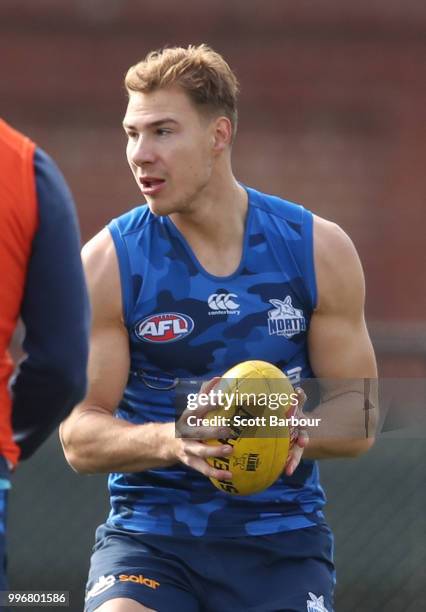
column 132, row 135
column 162, row 131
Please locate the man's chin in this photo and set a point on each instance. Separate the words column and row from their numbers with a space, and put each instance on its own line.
column 159, row 209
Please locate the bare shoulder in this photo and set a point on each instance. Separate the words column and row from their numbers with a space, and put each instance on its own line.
column 340, row 278
column 103, row 275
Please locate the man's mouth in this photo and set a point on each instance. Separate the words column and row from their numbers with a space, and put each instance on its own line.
column 151, row 185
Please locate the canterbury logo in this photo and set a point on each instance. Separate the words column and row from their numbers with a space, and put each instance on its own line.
column 223, row 303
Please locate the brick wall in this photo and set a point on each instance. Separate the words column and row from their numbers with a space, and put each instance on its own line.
column 332, row 110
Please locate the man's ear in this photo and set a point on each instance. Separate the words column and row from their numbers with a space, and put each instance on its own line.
column 222, row 134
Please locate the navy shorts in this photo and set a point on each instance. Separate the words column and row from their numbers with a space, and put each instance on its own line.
column 288, row 571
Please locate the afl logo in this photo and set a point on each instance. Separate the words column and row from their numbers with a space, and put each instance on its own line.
column 164, row 327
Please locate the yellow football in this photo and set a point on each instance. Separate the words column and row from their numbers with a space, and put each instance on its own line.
column 257, row 403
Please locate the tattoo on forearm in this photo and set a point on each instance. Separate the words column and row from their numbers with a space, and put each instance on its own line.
column 367, row 404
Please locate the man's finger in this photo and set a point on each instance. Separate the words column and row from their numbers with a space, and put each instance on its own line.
column 293, row 460
column 301, row 399
column 296, row 452
column 210, row 450
column 205, row 389
column 183, row 430
column 208, row 385
column 201, row 466
column 302, row 439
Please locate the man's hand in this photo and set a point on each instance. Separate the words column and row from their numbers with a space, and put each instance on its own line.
column 299, row 438
column 189, row 448
column 192, row 452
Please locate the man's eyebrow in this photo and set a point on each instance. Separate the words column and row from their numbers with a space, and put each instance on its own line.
column 129, row 126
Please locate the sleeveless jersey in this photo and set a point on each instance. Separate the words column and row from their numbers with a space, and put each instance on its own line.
column 18, row 221
column 186, row 325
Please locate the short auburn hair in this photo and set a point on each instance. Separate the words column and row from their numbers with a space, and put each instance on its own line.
column 201, row 72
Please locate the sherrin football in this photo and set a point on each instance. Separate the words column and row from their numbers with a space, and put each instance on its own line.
column 258, row 399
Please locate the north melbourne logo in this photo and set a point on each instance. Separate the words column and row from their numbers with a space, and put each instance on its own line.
column 315, row 604
column 284, row 319
column 223, row 303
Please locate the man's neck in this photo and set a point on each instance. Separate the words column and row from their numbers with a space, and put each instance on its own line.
column 218, row 216
column 215, row 228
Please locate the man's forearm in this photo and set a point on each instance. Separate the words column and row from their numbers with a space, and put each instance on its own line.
column 96, row 442
column 347, row 426
column 333, row 449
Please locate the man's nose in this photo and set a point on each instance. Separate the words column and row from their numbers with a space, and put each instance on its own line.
column 142, row 152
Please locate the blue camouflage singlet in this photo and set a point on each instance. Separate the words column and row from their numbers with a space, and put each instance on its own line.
column 186, row 324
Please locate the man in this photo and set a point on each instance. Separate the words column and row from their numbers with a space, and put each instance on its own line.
column 161, row 279
column 42, row 281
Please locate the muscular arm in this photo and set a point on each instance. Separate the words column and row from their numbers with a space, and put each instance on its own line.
column 340, row 349
column 92, row 438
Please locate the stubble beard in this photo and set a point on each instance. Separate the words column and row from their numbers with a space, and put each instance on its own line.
column 190, row 199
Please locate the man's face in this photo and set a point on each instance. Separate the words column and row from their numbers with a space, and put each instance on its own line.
column 169, row 149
